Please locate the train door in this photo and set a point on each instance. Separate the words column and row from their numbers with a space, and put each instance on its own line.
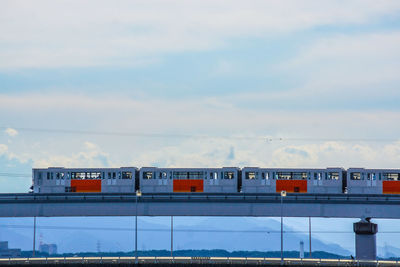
column 371, row 179
column 317, row 179
column 374, row 175
column 265, row 179
column 159, row 176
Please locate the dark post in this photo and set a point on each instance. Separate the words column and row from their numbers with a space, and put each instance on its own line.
column 34, row 237
column 172, row 237
column 365, row 239
column 309, row 233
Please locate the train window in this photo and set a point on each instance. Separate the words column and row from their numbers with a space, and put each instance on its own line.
column 355, row 176
column 113, row 175
column 315, row 176
column 250, row 175
column 180, row 175
column 119, row 175
column 103, row 176
column 299, row 176
column 368, row 176
column 391, row 176
column 109, row 175
column 263, row 176
column 126, row 175
column 147, row 175
column 373, row 176
column 267, row 175
column 77, row 175
column 195, row 175
column 333, row 176
column 160, row 175
column 62, row 175
column 68, row 175
column 284, row 176
column 164, row 175
column 215, row 175
column 228, row 175
column 57, row 175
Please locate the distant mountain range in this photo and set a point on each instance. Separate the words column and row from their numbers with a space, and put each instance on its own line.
column 193, row 253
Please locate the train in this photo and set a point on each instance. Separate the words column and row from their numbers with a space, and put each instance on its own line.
column 216, row 180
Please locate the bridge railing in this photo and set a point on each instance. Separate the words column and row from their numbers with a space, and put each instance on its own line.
column 201, row 260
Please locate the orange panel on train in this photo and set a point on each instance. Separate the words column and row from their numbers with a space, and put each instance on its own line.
column 87, row 186
column 291, row 186
column 391, row 187
column 182, row 186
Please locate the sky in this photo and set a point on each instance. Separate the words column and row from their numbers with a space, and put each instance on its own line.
column 198, row 84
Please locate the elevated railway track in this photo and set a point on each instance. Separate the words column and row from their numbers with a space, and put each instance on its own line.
column 200, row 204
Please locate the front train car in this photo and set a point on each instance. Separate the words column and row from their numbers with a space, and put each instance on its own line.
column 187, row 180
column 317, row 181
column 84, row 180
column 373, row 181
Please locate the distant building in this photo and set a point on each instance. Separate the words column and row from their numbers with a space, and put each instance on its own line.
column 48, row 248
column 5, row 252
column 301, row 249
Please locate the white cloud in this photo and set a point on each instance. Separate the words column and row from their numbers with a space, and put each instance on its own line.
column 92, row 157
column 90, row 145
column 357, row 65
column 88, row 33
column 243, row 129
column 210, row 116
column 11, row 132
column 3, row 149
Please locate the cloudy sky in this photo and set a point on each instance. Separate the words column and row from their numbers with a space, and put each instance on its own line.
column 198, row 83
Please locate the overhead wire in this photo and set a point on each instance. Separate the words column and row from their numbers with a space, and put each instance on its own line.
column 49, row 227
column 199, row 136
column 18, row 175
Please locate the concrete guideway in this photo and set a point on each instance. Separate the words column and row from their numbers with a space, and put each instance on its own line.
column 200, row 204
column 198, row 260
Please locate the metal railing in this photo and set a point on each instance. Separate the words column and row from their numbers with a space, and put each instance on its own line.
column 199, row 197
column 200, row 260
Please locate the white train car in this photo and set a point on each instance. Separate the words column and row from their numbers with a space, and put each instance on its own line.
column 318, row 181
column 373, row 181
column 186, row 180
column 85, row 180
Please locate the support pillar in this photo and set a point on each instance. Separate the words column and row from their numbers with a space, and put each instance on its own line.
column 365, row 239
